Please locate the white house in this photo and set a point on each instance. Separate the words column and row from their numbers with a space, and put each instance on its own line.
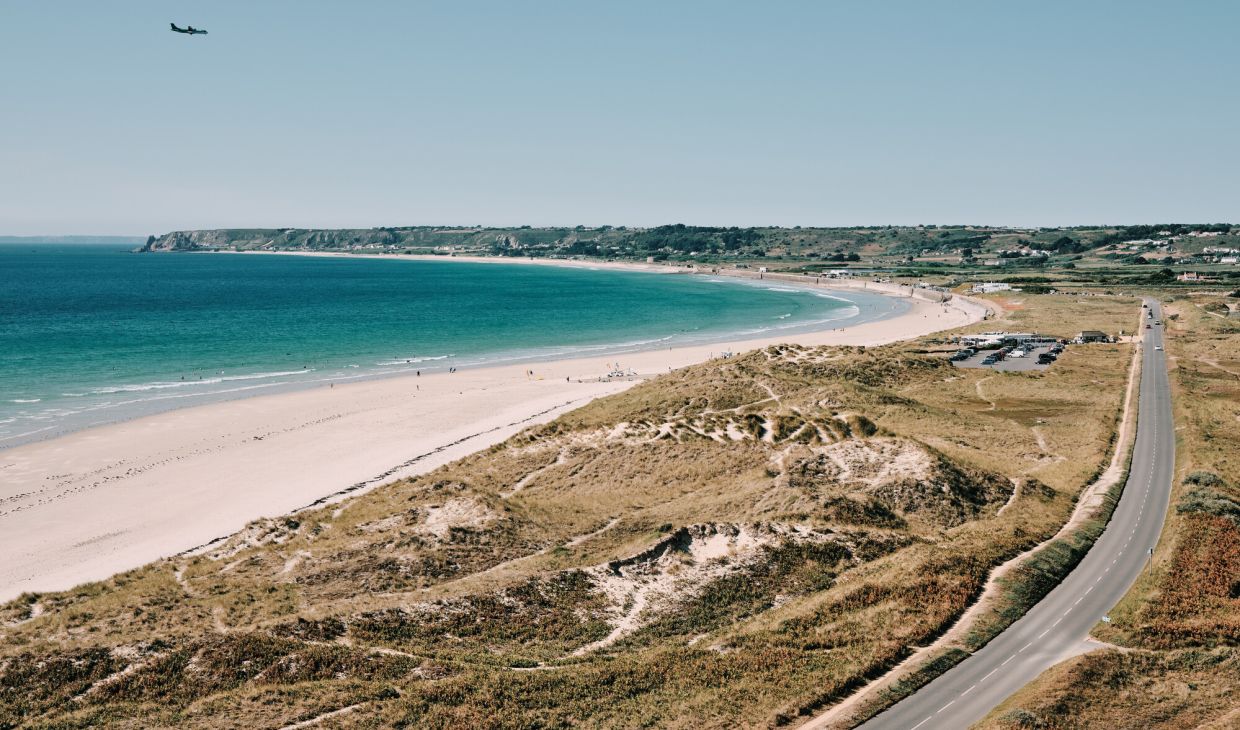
column 990, row 287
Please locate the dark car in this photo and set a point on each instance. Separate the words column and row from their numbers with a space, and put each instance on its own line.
column 1046, row 358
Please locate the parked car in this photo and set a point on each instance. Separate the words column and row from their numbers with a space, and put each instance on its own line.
column 1046, row 358
column 990, row 360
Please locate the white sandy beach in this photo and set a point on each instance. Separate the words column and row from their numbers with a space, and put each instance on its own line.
column 90, row 504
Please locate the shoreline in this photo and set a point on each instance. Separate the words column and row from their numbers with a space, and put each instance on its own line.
column 866, row 310
column 96, row 502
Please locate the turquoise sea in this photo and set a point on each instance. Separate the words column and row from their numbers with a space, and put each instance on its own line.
column 92, row 334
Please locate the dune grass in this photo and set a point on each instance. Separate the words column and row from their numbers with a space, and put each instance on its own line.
column 867, row 482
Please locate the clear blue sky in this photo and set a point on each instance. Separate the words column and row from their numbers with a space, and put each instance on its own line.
column 318, row 114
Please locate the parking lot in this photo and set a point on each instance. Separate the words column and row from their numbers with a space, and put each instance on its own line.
column 1009, row 364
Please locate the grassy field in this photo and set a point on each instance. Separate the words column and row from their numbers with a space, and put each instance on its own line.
column 742, row 542
column 1180, row 624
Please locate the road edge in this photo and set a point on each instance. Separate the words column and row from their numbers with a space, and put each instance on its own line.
column 1096, row 500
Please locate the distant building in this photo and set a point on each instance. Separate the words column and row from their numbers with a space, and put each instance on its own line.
column 1093, row 336
column 1194, row 276
column 990, row 287
column 1229, row 260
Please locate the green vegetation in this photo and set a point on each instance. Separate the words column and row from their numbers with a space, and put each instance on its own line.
column 1044, row 258
column 741, row 542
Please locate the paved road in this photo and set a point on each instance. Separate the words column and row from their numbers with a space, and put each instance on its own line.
column 1056, row 627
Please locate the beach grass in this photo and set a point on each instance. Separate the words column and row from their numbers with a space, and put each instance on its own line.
column 741, row 542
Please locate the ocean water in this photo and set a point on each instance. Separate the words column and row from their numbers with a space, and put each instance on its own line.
column 92, row 334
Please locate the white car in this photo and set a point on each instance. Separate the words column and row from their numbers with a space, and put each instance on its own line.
column 1018, row 353
column 1158, row 348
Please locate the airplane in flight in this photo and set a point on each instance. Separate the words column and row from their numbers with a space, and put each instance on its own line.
column 189, row 30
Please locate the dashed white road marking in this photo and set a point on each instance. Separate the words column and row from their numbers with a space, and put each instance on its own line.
column 1098, row 579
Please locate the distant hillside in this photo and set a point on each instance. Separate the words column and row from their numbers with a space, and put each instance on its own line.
column 876, row 244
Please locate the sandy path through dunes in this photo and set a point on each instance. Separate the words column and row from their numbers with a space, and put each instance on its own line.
column 90, row 504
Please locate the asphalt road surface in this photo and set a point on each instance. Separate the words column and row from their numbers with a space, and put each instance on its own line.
column 1055, row 628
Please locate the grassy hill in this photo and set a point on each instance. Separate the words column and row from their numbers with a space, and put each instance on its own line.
column 741, row 542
